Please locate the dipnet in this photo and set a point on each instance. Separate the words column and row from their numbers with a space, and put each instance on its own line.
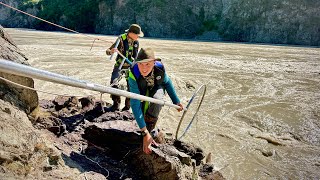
column 189, row 116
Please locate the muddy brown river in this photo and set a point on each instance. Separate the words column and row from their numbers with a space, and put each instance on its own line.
column 260, row 118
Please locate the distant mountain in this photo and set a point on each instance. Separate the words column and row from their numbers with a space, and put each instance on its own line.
column 262, row 21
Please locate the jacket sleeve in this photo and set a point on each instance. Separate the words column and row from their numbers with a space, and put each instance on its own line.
column 120, row 46
column 167, row 83
column 108, row 51
column 136, row 104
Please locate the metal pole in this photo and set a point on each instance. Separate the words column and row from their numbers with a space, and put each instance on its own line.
column 27, row 71
column 116, row 46
column 123, row 60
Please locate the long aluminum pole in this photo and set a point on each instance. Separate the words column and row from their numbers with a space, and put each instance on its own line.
column 123, row 60
column 27, row 71
column 116, row 46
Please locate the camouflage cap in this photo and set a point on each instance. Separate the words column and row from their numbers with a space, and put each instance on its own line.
column 145, row 55
column 136, row 29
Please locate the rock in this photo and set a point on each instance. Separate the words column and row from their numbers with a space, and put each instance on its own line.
column 24, row 98
column 25, row 152
column 112, row 138
column 46, row 104
column 172, row 151
column 61, row 102
column 87, row 102
column 10, row 18
column 209, row 158
column 191, row 150
column 207, row 172
column 168, row 161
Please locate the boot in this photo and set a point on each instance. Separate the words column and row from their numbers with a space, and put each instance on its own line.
column 156, row 133
column 150, row 122
column 127, row 105
column 116, row 103
column 159, row 138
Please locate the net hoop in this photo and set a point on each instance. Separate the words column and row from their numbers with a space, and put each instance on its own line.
column 195, row 114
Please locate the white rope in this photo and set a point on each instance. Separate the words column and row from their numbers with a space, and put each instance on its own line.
column 62, row 27
column 33, row 89
column 95, row 163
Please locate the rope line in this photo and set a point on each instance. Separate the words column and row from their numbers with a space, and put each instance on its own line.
column 106, row 170
column 79, row 153
column 62, row 27
column 116, row 81
column 33, row 89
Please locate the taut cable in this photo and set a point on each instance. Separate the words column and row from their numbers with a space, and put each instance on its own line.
column 52, row 23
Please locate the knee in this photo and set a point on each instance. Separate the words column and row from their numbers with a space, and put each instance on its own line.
column 159, row 94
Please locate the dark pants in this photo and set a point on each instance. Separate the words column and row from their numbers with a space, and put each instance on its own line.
column 152, row 114
column 114, row 76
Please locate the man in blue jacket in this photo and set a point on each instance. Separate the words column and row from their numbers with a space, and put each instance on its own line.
column 148, row 77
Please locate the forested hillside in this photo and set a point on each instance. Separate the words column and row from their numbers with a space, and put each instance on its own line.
column 263, row 21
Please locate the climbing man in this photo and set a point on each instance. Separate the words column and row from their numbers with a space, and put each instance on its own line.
column 148, row 77
column 128, row 46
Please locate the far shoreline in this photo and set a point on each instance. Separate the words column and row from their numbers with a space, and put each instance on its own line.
column 180, row 39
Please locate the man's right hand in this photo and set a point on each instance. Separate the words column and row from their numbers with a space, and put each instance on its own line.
column 111, row 51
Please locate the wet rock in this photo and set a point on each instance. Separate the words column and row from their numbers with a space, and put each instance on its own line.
column 270, row 139
column 51, row 123
column 267, row 153
column 172, row 151
column 159, row 165
column 209, row 158
column 207, row 172
column 271, row 153
column 59, row 102
column 189, row 85
column 191, row 150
